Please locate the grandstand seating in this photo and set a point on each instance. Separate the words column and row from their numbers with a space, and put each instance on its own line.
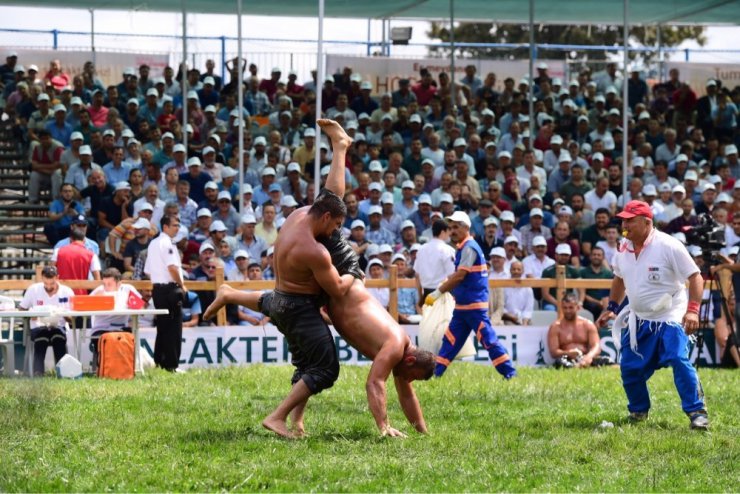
column 22, row 241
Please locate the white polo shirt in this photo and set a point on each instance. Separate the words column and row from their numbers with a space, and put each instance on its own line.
column 37, row 298
column 519, row 301
column 435, row 261
column 596, row 202
column 533, row 267
column 161, row 253
column 660, row 270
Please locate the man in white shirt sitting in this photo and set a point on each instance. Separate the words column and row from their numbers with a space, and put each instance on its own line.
column 518, row 301
column 123, row 294
column 47, row 331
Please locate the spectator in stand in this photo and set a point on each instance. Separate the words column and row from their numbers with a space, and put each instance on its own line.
column 687, row 218
column 601, row 197
column 408, row 298
column 241, row 273
column 79, row 173
column 114, row 209
column 45, row 157
column 424, row 89
column 518, row 301
column 59, row 129
column 197, row 179
column 50, row 331
column 248, row 241
column 377, row 272
column 117, row 170
column 596, row 299
column 142, row 228
column 62, row 212
column 535, row 263
column 561, row 235
column 534, row 229
column 247, row 316
column 596, row 232
column 56, row 77
column 562, row 258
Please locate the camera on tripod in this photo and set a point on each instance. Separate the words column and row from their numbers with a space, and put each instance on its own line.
column 708, row 235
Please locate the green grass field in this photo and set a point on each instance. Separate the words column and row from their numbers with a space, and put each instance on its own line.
column 200, row 431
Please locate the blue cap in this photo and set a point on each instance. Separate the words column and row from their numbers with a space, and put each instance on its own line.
column 275, row 188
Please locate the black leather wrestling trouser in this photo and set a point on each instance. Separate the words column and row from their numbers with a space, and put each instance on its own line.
column 310, row 341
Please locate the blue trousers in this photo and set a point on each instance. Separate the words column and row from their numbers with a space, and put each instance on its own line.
column 661, row 344
column 462, row 323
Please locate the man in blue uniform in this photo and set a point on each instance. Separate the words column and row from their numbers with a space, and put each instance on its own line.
column 469, row 285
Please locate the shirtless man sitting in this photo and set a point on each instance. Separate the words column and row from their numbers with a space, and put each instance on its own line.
column 305, row 271
column 574, row 340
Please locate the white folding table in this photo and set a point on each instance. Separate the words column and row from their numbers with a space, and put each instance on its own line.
column 133, row 313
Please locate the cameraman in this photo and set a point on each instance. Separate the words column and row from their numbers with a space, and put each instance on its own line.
column 728, row 341
column 62, row 212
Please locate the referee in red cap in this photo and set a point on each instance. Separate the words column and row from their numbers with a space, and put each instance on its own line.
column 651, row 268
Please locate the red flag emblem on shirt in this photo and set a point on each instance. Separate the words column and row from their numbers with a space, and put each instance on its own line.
column 134, row 301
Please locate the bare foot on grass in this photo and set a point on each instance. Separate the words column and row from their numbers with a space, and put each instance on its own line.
column 339, row 138
column 223, row 296
column 277, row 426
column 299, row 430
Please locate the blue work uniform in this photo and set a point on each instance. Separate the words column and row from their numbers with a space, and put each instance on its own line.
column 471, row 313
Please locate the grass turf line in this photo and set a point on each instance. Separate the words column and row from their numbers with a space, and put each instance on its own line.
column 200, row 431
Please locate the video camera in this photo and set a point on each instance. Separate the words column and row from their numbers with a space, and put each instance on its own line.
column 707, row 234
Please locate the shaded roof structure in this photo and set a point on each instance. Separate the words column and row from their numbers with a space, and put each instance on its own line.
column 604, row 12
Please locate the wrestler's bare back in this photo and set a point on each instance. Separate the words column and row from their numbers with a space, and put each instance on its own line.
column 364, row 323
column 293, row 248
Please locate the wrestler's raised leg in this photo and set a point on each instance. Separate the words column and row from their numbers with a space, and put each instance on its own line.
column 340, row 142
column 337, row 135
column 227, row 295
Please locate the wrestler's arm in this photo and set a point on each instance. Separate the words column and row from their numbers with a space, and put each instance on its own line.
column 594, row 349
column 553, row 341
column 410, row 404
column 327, row 275
column 382, row 366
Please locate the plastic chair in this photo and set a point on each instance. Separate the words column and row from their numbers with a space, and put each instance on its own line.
column 543, row 317
column 586, row 314
column 7, row 345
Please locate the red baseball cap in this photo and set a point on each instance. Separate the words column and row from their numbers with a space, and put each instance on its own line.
column 636, row 208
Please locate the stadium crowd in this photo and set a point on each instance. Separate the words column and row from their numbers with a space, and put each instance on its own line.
column 542, row 190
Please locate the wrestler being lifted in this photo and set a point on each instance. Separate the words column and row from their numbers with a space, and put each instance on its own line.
column 312, row 261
